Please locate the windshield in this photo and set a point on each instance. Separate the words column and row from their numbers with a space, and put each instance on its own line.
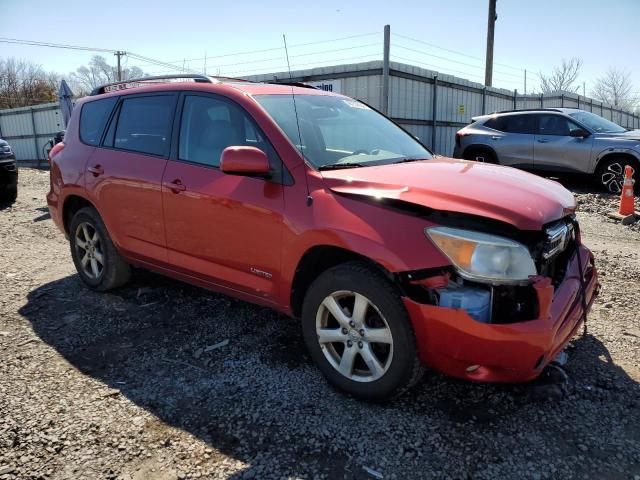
column 339, row 132
column 597, row 123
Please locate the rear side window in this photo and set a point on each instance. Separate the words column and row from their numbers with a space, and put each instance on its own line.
column 93, row 118
column 144, row 124
column 512, row 123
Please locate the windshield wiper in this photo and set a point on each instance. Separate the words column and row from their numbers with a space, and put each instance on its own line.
column 406, row 160
column 338, row 166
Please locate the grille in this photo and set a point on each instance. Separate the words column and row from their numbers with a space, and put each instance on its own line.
column 557, row 249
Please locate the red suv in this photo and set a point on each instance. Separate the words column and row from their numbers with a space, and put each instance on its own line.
column 318, row 206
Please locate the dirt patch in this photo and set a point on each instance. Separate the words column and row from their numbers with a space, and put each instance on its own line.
column 163, row 380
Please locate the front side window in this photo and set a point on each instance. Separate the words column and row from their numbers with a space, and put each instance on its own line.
column 209, row 125
column 555, row 125
column 338, row 131
column 144, row 124
column 93, row 118
column 597, row 123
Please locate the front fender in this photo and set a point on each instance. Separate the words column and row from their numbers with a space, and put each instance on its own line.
column 391, row 238
column 615, row 150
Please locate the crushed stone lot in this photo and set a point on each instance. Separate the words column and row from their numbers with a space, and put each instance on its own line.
column 161, row 380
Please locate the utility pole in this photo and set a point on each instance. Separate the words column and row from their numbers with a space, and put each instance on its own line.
column 491, row 23
column 119, row 54
column 525, row 81
column 385, row 69
column 584, row 89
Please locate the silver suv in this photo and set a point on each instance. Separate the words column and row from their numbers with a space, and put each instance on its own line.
column 553, row 140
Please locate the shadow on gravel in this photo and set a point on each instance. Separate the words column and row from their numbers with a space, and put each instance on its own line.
column 237, row 377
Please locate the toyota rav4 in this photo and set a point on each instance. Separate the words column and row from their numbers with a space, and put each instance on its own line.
column 318, row 206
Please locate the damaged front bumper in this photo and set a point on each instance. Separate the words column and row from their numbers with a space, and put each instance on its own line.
column 452, row 342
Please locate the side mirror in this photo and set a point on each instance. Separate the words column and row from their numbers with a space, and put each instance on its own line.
column 244, row 160
column 578, row 132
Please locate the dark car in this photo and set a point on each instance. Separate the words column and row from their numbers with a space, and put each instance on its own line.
column 8, row 174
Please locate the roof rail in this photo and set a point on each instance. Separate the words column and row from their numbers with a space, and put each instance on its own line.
column 293, row 84
column 136, row 82
column 528, row 110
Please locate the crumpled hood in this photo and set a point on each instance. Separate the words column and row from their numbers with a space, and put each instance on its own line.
column 521, row 199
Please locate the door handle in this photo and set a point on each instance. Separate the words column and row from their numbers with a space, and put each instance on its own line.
column 495, row 137
column 176, row 186
column 96, row 170
column 543, row 140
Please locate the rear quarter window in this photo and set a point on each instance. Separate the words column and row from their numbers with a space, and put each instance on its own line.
column 512, row 124
column 93, row 118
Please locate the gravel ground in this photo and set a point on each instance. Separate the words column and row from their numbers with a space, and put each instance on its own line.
column 165, row 381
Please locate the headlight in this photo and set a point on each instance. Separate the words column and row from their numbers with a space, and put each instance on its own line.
column 483, row 257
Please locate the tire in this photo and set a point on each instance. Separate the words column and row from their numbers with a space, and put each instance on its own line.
column 390, row 368
column 479, row 154
column 610, row 173
column 97, row 261
column 9, row 195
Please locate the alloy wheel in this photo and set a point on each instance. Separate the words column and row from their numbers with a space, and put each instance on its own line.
column 354, row 336
column 612, row 178
column 89, row 250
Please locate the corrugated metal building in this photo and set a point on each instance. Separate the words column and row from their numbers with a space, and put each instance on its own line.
column 28, row 129
column 431, row 105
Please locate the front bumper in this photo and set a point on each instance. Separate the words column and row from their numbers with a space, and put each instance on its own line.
column 452, row 342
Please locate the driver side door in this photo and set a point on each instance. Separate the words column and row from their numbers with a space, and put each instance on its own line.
column 556, row 150
column 222, row 229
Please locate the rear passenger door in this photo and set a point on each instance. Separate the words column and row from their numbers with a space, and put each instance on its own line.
column 556, row 150
column 513, row 139
column 223, row 229
column 124, row 174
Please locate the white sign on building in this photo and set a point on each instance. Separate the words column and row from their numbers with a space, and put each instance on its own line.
column 328, row 85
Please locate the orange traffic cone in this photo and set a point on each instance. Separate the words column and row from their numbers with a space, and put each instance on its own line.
column 626, row 197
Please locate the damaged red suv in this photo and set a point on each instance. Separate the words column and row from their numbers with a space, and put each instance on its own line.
column 316, row 205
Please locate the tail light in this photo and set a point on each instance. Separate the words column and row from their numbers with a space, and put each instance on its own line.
column 459, row 135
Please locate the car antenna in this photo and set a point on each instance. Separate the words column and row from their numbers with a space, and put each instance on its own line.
column 295, row 109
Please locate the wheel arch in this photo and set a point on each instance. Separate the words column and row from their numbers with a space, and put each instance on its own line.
column 480, row 146
column 73, row 203
column 315, row 261
column 608, row 154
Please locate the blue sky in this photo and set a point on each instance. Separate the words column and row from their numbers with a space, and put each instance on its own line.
column 534, row 35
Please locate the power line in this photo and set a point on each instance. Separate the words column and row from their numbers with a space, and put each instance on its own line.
column 53, row 45
column 284, row 67
column 448, row 59
column 454, row 51
column 273, row 49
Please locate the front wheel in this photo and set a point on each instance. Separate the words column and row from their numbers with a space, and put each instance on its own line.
column 359, row 334
column 610, row 174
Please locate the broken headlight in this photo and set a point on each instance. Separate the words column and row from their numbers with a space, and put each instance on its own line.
column 483, row 257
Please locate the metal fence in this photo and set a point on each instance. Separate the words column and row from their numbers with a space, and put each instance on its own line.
column 433, row 105
column 28, row 129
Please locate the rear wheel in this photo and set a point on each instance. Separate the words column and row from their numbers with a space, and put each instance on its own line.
column 97, row 261
column 479, row 154
column 610, row 173
column 359, row 333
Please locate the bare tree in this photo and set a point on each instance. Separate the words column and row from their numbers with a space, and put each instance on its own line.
column 563, row 77
column 23, row 83
column 97, row 73
column 615, row 88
